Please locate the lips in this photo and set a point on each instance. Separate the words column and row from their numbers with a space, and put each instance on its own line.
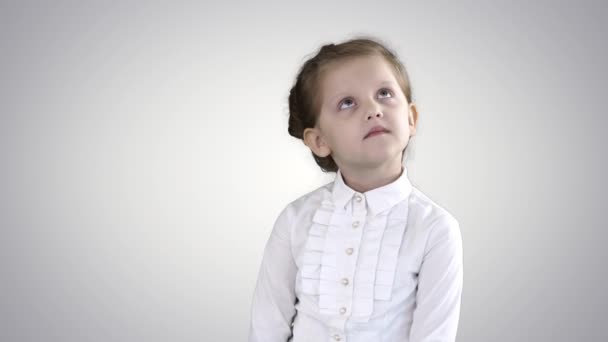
column 376, row 129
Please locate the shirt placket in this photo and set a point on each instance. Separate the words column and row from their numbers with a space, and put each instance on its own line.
column 347, row 256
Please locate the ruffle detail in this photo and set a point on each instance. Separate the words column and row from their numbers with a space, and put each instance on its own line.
column 371, row 275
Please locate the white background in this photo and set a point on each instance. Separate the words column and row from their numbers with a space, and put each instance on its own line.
column 145, row 156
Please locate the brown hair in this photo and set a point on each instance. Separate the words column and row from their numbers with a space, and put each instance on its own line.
column 304, row 104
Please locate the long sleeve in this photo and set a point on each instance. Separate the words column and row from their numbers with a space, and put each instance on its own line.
column 273, row 305
column 440, row 282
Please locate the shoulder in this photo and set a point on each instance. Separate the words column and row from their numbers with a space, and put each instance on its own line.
column 305, row 205
column 430, row 218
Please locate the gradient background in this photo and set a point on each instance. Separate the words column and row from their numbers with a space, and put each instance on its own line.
column 145, row 156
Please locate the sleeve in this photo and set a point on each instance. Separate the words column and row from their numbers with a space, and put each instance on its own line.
column 440, row 282
column 273, row 305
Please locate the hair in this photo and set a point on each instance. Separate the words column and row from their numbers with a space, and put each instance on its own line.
column 304, row 97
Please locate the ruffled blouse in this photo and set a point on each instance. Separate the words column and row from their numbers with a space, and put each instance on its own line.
column 340, row 265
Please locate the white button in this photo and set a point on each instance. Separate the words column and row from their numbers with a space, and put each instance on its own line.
column 358, row 198
column 343, row 310
column 349, row 251
column 344, row 281
column 355, row 224
column 337, row 337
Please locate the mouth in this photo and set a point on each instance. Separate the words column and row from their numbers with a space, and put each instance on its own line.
column 376, row 131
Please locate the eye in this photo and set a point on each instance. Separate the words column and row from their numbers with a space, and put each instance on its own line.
column 347, row 100
column 387, row 91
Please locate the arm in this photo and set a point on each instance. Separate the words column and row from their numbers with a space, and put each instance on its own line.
column 273, row 306
column 440, row 282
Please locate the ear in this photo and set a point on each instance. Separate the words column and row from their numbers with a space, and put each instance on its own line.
column 412, row 118
column 313, row 139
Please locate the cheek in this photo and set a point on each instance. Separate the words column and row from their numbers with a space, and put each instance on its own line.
column 341, row 140
column 334, row 139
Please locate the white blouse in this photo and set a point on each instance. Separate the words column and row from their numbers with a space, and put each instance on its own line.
column 340, row 265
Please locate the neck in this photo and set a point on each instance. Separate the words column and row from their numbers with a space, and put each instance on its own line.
column 363, row 180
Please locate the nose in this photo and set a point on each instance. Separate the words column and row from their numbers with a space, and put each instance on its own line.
column 377, row 114
column 373, row 109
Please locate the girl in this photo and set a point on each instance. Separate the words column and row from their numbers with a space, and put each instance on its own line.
column 367, row 257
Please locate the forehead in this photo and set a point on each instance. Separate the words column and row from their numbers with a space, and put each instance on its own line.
column 354, row 71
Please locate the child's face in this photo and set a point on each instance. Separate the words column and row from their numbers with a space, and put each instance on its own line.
column 356, row 96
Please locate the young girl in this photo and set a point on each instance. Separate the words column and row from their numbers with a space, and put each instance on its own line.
column 367, row 257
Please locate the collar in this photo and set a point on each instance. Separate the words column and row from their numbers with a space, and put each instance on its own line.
column 378, row 199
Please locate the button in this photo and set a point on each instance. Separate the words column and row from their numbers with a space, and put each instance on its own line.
column 337, row 337
column 342, row 311
column 355, row 224
column 358, row 198
column 349, row 251
column 344, row 281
